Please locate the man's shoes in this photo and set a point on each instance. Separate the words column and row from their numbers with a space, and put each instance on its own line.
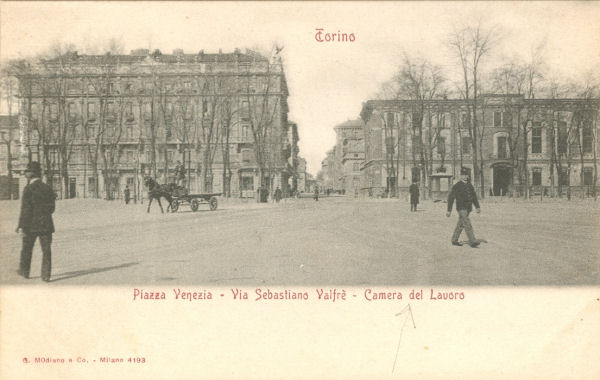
column 46, row 279
column 474, row 244
column 457, row 243
column 22, row 274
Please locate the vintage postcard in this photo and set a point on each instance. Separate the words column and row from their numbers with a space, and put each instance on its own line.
column 299, row 190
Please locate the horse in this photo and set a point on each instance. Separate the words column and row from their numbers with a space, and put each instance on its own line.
column 156, row 191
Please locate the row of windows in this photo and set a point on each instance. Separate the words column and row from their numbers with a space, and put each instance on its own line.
column 253, row 83
column 500, row 119
column 563, row 177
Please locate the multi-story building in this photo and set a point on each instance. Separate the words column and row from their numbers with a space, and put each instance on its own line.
column 301, row 174
column 349, row 155
column 99, row 123
column 548, row 143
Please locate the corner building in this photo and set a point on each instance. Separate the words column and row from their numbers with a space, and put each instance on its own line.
column 100, row 123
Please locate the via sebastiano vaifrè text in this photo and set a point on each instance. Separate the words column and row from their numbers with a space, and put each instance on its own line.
column 314, row 294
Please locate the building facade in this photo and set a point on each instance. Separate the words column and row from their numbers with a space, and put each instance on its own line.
column 100, row 123
column 349, row 155
column 550, row 144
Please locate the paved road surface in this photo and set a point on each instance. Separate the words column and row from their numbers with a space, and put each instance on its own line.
column 337, row 241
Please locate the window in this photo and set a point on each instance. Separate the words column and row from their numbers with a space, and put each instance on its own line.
column 416, row 144
column 187, row 85
column 205, row 108
column 170, row 154
column 72, row 111
column 465, row 120
column 416, row 120
column 128, row 131
column 356, row 166
column 129, row 111
column 497, row 119
column 506, row 119
column 441, row 145
column 466, row 145
column 110, row 110
column 588, row 139
column 53, row 111
column 149, row 157
column 91, row 185
column 245, row 111
column 588, row 176
column 389, row 145
column 245, row 131
column 91, row 90
column 247, row 183
column 128, row 87
column 389, row 117
column 111, row 87
column 91, row 111
column 246, row 155
column 562, row 137
column 91, row 131
column 563, row 177
column 502, row 147
column 536, row 177
column 130, row 156
column 536, row 139
column 147, row 111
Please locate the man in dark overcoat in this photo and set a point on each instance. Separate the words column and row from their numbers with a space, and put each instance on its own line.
column 464, row 194
column 127, row 195
column 414, row 196
column 35, row 220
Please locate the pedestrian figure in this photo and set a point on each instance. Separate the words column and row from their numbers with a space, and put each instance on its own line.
column 465, row 196
column 414, row 196
column 316, row 193
column 35, row 220
column 179, row 173
column 277, row 194
column 127, row 195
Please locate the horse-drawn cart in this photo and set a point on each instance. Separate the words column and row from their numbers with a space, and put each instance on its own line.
column 194, row 200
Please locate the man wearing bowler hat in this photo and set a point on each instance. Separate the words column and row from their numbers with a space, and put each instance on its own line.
column 37, row 206
column 465, row 196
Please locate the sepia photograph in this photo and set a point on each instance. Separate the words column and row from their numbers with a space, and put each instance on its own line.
column 303, row 190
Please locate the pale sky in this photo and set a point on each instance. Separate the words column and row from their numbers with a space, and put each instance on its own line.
column 328, row 82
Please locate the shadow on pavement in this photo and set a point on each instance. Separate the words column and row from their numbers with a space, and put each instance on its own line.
column 67, row 275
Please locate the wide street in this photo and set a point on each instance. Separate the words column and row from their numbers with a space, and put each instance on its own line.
column 336, row 241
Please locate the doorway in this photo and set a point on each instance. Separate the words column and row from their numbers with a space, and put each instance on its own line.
column 501, row 180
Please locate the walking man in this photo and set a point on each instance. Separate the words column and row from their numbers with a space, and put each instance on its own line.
column 277, row 194
column 127, row 195
column 316, row 196
column 37, row 206
column 414, row 196
column 465, row 196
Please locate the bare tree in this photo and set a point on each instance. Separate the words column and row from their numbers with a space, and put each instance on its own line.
column 9, row 88
column 472, row 45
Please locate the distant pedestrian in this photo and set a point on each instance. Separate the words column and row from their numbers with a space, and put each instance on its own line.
column 127, row 195
column 316, row 196
column 35, row 220
column 179, row 174
column 414, row 196
column 465, row 196
column 277, row 194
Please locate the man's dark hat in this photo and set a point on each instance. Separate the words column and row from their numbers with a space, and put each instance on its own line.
column 34, row 167
column 464, row 171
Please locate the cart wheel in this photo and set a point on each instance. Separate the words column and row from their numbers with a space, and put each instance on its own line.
column 213, row 203
column 174, row 205
column 194, row 205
